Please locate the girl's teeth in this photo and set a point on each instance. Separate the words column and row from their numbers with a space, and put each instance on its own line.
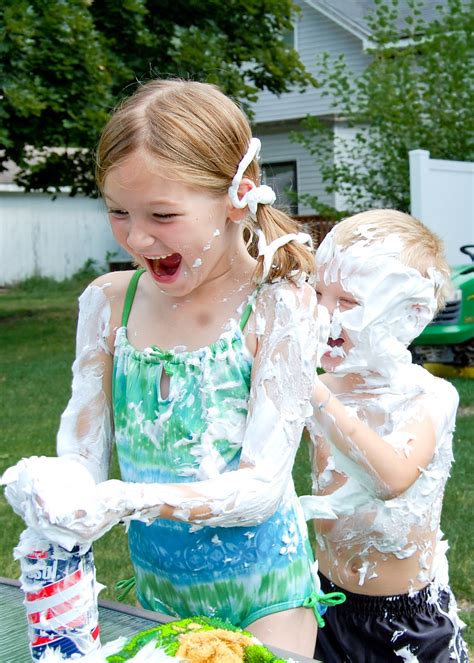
column 165, row 265
column 158, row 257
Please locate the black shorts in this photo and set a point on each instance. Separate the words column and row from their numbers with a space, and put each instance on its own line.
column 372, row 629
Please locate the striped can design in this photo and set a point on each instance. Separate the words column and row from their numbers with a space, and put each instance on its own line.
column 60, row 601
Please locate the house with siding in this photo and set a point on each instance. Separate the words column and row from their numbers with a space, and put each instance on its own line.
column 32, row 225
column 333, row 26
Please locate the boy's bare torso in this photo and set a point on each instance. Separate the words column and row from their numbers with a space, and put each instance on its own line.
column 383, row 546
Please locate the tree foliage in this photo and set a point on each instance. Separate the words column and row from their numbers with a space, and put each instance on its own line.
column 64, row 64
column 416, row 93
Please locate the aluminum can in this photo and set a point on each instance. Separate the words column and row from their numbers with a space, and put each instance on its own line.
column 61, row 600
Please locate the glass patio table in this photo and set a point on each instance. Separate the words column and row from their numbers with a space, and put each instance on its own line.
column 115, row 620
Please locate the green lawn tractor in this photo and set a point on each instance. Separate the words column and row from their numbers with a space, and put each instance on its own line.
column 449, row 338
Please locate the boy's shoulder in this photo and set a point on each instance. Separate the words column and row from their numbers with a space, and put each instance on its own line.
column 445, row 393
column 437, row 396
column 441, row 396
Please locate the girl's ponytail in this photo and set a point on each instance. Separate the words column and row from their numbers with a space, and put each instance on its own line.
column 290, row 260
column 291, row 257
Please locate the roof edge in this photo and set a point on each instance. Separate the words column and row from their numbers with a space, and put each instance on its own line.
column 341, row 19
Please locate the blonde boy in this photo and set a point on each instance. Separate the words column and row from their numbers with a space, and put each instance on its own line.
column 382, row 432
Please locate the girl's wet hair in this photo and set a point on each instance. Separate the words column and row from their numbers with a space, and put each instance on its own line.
column 199, row 136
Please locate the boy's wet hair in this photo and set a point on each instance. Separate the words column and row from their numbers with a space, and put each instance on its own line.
column 422, row 249
column 198, row 136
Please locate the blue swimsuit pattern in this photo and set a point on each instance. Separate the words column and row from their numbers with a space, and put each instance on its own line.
column 239, row 573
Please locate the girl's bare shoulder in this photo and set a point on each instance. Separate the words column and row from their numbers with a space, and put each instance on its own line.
column 114, row 287
column 114, row 283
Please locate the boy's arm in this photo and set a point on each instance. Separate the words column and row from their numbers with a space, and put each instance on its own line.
column 390, row 465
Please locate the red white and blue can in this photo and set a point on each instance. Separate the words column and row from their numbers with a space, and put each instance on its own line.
column 61, row 600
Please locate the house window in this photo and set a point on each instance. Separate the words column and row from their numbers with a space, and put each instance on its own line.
column 282, row 178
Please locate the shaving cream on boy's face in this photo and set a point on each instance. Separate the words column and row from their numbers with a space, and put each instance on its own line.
column 394, row 303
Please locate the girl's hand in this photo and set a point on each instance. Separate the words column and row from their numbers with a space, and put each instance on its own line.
column 58, row 498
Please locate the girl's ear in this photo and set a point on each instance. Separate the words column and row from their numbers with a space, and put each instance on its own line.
column 236, row 214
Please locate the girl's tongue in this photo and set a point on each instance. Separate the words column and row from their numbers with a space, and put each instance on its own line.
column 166, row 266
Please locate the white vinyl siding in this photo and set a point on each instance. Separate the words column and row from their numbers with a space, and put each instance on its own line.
column 316, row 34
column 276, row 116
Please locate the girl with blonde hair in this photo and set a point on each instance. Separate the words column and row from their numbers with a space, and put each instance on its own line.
column 200, row 363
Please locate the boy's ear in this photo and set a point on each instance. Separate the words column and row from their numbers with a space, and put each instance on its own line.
column 419, row 309
column 236, row 214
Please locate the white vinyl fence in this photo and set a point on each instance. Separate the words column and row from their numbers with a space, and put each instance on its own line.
column 45, row 237
column 40, row 236
column 442, row 197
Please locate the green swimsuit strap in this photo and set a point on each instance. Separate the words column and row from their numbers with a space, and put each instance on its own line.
column 246, row 315
column 248, row 310
column 130, row 294
column 132, row 288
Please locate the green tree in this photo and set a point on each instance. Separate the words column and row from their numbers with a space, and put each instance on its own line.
column 65, row 63
column 416, row 93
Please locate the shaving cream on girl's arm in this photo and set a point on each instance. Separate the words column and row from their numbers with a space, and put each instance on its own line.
column 282, row 378
column 86, row 430
column 282, row 382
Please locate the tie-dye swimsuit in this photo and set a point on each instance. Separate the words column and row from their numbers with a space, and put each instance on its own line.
column 238, row 573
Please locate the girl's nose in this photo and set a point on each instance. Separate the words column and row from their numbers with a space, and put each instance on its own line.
column 139, row 238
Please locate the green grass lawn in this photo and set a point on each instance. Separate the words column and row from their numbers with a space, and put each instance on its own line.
column 37, row 332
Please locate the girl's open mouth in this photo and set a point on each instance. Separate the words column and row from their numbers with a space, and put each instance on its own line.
column 164, row 269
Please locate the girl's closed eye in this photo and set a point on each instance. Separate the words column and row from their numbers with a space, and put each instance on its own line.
column 164, row 217
column 117, row 212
